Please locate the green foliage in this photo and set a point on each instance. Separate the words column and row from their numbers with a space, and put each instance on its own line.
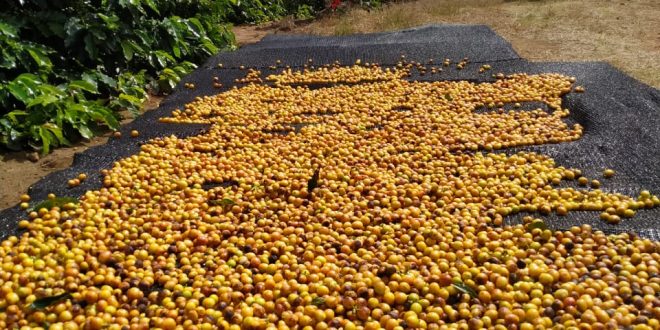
column 463, row 288
column 55, row 202
column 170, row 76
column 43, row 303
column 318, row 301
column 225, row 202
column 67, row 68
column 538, row 223
column 50, row 113
column 131, row 91
column 257, row 11
column 304, row 12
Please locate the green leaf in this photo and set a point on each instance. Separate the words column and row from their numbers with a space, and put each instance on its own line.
column 43, row 100
column 152, row 5
column 5, row 124
column 145, row 38
column 176, row 50
column 538, row 223
column 73, row 113
column 50, row 89
column 109, row 81
column 7, row 61
column 55, row 202
column 90, row 76
column 129, row 102
column 461, row 287
column 188, row 66
column 104, row 115
column 166, row 85
column 15, row 139
column 84, row 85
column 195, row 27
column 183, row 69
column 84, row 131
column 179, row 71
column 137, row 4
column 318, row 301
column 46, row 140
column 110, row 21
column 73, row 28
column 90, row 47
column 40, row 57
column 209, row 46
column 13, row 116
column 130, row 98
column 8, row 30
column 57, row 131
column 163, row 59
column 19, row 92
column 127, row 50
column 24, row 87
column 29, row 79
column 94, row 77
column 132, row 5
column 225, row 202
column 168, row 79
column 42, row 303
column 174, row 73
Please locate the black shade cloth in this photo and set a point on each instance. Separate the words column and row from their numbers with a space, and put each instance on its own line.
column 621, row 116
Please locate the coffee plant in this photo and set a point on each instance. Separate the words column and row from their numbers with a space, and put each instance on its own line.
column 68, row 67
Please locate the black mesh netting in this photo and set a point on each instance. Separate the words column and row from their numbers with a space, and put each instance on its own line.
column 621, row 116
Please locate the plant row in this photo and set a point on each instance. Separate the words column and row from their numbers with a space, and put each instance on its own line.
column 70, row 68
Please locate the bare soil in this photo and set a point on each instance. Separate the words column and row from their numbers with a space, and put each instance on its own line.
column 250, row 34
column 625, row 33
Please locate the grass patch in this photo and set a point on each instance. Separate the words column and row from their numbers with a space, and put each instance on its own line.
column 396, row 19
column 344, row 27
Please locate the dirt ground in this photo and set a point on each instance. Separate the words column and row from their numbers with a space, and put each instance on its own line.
column 625, row 33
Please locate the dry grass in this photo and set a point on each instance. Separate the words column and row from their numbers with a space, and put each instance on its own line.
column 625, row 33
